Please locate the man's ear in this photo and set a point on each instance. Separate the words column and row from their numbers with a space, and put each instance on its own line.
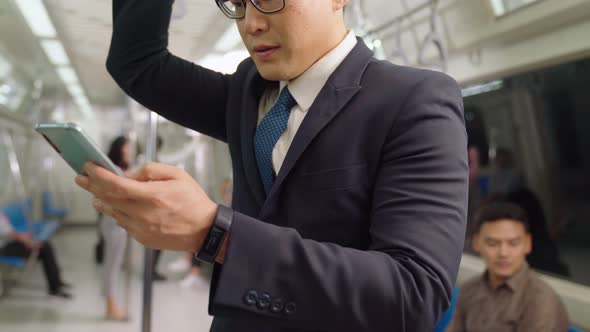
column 528, row 242
column 475, row 242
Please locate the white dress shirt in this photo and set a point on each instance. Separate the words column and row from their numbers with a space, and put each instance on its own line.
column 304, row 90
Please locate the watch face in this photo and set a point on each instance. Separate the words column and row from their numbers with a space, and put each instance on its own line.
column 216, row 235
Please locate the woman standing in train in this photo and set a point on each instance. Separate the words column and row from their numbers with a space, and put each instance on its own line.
column 115, row 238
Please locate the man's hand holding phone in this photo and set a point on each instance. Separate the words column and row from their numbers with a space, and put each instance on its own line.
column 159, row 205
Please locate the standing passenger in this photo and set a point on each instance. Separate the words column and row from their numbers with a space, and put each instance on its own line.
column 115, row 239
column 350, row 174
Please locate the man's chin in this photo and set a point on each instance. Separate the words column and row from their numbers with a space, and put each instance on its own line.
column 271, row 74
column 274, row 71
column 504, row 272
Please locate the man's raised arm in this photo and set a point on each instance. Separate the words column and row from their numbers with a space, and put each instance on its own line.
column 141, row 64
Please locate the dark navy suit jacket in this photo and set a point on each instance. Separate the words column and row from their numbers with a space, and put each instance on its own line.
column 363, row 229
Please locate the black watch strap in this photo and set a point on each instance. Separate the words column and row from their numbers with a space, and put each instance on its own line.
column 216, row 236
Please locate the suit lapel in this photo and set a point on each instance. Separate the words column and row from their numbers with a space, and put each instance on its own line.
column 254, row 86
column 342, row 85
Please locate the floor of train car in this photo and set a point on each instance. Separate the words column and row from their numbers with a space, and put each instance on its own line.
column 28, row 309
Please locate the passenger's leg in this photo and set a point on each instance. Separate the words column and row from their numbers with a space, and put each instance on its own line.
column 157, row 275
column 194, row 276
column 50, row 267
column 115, row 241
column 181, row 264
column 47, row 258
column 15, row 249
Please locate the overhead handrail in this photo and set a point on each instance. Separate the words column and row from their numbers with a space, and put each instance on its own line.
column 388, row 24
column 435, row 38
column 398, row 50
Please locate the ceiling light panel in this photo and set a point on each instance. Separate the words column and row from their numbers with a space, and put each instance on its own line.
column 55, row 52
column 35, row 14
column 67, row 75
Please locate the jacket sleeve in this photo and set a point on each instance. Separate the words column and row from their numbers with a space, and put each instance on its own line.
column 139, row 61
column 404, row 281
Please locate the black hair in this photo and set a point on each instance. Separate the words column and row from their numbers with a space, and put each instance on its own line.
column 116, row 152
column 496, row 211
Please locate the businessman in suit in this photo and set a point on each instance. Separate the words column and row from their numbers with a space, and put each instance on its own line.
column 350, row 174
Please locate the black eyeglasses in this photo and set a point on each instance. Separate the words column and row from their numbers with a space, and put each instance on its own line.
column 236, row 9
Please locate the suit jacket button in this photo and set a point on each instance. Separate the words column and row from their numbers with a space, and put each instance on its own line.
column 277, row 306
column 251, row 298
column 290, row 308
column 264, row 301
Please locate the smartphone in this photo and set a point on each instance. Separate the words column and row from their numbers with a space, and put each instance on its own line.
column 74, row 146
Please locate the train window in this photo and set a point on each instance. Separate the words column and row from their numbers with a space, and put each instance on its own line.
column 535, row 131
column 476, row 132
column 562, row 119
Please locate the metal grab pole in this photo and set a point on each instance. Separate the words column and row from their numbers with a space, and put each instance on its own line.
column 148, row 265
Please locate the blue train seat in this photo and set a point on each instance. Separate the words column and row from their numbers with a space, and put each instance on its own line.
column 12, row 261
column 443, row 323
column 48, row 210
column 41, row 230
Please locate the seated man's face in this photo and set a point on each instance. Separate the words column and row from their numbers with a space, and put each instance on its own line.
column 504, row 245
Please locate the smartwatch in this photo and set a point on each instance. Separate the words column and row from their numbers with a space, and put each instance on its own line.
column 216, row 236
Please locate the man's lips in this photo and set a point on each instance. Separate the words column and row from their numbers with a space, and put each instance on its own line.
column 503, row 264
column 264, row 48
column 265, row 52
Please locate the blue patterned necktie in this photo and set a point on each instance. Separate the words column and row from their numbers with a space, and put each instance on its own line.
column 268, row 133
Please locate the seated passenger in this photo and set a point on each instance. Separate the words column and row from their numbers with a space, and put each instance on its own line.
column 22, row 245
column 509, row 296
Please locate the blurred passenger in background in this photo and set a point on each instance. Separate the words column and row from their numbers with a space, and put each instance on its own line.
column 508, row 296
column 505, row 177
column 23, row 245
column 115, row 238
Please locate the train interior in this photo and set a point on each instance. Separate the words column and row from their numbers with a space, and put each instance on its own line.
column 524, row 70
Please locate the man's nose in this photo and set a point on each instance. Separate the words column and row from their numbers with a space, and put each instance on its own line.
column 254, row 20
column 503, row 250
